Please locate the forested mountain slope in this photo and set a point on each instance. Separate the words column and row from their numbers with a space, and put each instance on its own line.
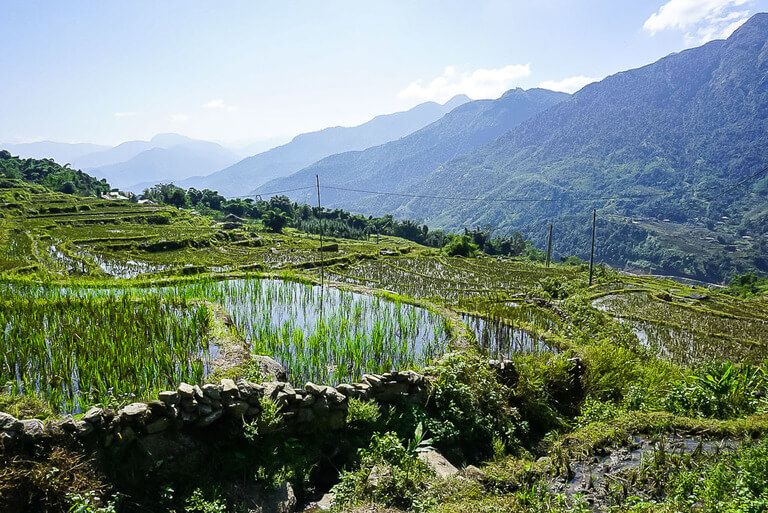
column 307, row 148
column 682, row 133
column 402, row 163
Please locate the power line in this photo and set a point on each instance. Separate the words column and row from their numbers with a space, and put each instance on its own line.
column 500, row 200
column 467, row 198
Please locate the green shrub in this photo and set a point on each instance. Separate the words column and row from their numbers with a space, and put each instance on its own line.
column 461, row 245
column 468, row 408
column 198, row 503
column 388, row 475
column 721, row 391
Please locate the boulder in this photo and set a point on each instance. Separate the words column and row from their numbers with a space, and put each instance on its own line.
column 158, row 426
column 212, row 392
column 186, row 391
column 9, row 423
column 256, row 499
column 229, row 389
column 94, row 416
column 134, row 411
column 169, row 397
column 270, row 368
column 326, row 502
column 437, row 462
column 32, row 428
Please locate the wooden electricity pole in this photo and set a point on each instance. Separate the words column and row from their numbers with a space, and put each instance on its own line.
column 322, row 259
column 592, row 255
column 549, row 245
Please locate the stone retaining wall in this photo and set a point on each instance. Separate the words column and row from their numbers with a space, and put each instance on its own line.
column 196, row 408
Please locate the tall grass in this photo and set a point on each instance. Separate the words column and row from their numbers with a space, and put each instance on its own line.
column 79, row 345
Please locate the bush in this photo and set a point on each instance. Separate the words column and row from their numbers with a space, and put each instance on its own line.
column 461, row 245
column 468, row 408
column 720, row 391
column 389, row 475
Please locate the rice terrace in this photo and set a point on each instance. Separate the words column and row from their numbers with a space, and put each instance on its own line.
column 551, row 299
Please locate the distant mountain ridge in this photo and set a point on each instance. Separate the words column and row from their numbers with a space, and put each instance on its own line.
column 401, row 164
column 57, row 151
column 307, row 148
column 684, row 130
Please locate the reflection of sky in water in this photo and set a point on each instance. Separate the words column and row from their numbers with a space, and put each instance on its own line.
column 501, row 340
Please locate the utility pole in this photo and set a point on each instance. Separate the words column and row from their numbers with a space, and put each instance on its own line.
column 322, row 259
column 592, row 255
column 549, row 245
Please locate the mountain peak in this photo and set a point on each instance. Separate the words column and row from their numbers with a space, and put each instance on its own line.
column 754, row 28
column 459, row 99
column 169, row 139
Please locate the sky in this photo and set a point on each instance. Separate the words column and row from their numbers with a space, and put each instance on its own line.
column 242, row 71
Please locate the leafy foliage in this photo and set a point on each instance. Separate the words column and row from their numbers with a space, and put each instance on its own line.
column 46, row 172
column 721, row 390
column 389, row 474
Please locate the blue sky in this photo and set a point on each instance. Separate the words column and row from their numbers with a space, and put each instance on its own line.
column 240, row 71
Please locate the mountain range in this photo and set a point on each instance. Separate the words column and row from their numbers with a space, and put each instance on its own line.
column 134, row 165
column 57, row 151
column 402, row 164
column 670, row 154
column 308, row 148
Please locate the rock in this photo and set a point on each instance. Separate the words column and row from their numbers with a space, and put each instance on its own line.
column 212, row 392
column 135, row 411
column 205, row 409
column 391, row 391
column 249, row 391
column 255, row 499
column 304, row 415
column 373, row 380
column 94, row 416
column 238, row 408
column 378, row 474
column 126, row 436
column 157, row 408
column 82, row 428
column 210, row 418
column 32, row 428
column 9, row 423
column 169, row 397
column 270, row 368
column 473, row 473
column 335, row 398
column 313, row 389
column 186, row 391
column 347, row 389
column 229, row 389
column 200, row 396
column 437, row 462
column 326, row 501
column 159, row 425
column 188, row 405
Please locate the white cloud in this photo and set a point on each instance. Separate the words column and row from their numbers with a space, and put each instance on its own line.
column 179, row 118
column 124, row 114
column 480, row 83
column 700, row 20
column 218, row 104
column 568, row 84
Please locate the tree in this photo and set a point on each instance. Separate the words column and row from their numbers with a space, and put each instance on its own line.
column 275, row 221
column 461, row 245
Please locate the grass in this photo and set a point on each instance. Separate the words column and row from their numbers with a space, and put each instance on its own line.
column 120, row 287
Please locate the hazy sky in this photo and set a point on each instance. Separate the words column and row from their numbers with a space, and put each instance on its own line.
column 238, row 71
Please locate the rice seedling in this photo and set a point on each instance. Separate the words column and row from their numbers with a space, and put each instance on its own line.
column 80, row 345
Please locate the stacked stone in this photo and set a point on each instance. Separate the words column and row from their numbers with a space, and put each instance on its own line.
column 506, row 372
column 194, row 407
column 388, row 387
